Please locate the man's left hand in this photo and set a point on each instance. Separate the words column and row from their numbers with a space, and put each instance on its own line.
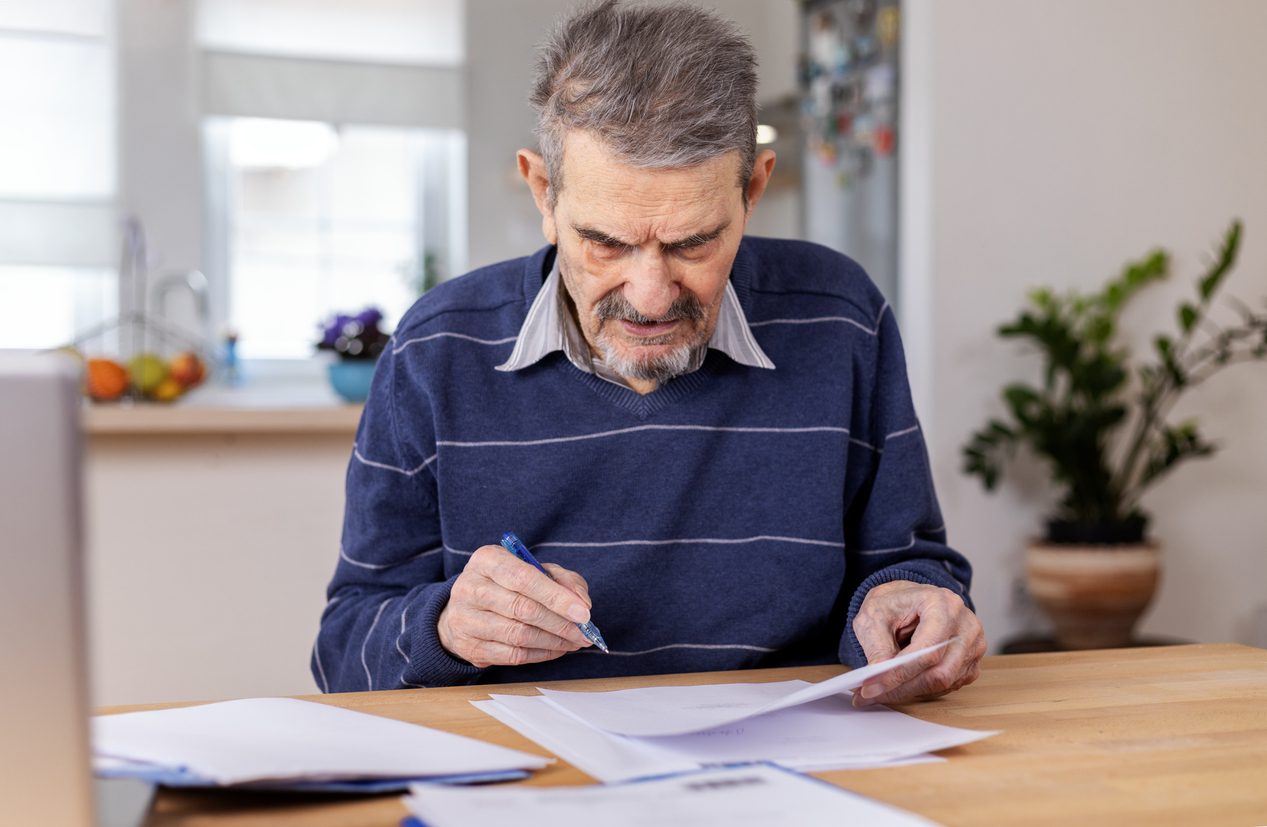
column 901, row 615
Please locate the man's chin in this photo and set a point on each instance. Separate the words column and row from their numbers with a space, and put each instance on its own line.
column 650, row 362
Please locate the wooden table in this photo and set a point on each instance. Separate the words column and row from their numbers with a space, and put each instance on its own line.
column 1167, row 735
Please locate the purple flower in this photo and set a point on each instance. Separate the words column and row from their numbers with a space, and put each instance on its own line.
column 354, row 337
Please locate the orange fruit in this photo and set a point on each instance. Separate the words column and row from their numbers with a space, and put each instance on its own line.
column 105, row 380
column 169, row 390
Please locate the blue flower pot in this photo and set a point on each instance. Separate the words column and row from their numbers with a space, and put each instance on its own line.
column 351, row 379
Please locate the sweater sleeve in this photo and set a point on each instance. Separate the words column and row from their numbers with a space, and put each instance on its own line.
column 893, row 524
column 378, row 630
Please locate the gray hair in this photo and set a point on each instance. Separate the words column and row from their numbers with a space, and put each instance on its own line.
column 660, row 86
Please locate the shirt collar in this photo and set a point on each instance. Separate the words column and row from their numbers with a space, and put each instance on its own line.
column 549, row 327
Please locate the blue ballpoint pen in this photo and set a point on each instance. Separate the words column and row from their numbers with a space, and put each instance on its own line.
column 515, row 546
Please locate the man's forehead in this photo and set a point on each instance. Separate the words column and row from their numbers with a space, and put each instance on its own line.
column 586, row 156
column 602, row 193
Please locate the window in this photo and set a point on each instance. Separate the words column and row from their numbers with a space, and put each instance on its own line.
column 335, row 161
column 57, row 170
column 319, row 219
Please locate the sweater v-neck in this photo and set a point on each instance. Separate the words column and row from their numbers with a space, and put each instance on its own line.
column 643, row 406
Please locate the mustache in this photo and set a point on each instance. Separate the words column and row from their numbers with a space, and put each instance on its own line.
column 615, row 307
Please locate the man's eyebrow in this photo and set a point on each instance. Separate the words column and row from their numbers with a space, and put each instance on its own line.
column 697, row 239
column 598, row 237
column 692, row 240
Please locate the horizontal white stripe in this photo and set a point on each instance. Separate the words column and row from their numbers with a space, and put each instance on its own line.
column 895, row 434
column 619, row 431
column 871, row 551
column 443, row 335
column 408, row 472
column 816, row 320
column 595, row 650
column 689, row 540
column 380, row 566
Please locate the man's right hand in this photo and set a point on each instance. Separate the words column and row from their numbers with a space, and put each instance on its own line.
column 503, row 612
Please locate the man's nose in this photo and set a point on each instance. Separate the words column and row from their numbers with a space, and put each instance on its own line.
column 650, row 286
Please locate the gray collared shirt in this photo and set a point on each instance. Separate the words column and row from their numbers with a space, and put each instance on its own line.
column 550, row 327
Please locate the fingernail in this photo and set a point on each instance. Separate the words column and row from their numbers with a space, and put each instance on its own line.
column 578, row 613
column 872, row 690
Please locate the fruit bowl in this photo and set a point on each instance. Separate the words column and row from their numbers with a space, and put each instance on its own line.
column 146, row 376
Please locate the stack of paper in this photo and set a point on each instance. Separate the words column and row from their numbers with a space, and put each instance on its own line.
column 752, row 796
column 292, row 744
column 635, row 733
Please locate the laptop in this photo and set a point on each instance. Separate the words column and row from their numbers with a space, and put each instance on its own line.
column 45, row 774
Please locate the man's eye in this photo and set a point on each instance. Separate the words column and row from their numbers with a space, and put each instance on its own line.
column 691, row 249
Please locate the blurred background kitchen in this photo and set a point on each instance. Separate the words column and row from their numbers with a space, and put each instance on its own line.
column 222, row 178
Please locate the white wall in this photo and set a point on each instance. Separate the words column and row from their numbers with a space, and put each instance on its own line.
column 1048, row 142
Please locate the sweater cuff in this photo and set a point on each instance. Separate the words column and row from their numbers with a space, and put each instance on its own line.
column 430, row 664
column 851, row 652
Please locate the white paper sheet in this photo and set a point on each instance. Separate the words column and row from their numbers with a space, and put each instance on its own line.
column 824, row 734
column 677, row 710
column 606, row 757
column 754, row 796
column 261, row 739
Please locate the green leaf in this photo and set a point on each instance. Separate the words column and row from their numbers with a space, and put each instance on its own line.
column 1209, row 283
column 1000, row 430
column 1165, row 348
column 1115, row 294
column 1021, row 398
column 1187, row 317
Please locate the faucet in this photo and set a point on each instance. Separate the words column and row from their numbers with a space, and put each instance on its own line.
column 196, row 283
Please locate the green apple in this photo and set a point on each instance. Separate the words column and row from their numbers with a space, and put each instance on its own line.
column 147, row 371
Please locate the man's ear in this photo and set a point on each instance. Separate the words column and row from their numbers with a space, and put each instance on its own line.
column 533, row 169
column 762, row 168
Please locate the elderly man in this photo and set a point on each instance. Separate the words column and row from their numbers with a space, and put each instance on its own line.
column 709, row 438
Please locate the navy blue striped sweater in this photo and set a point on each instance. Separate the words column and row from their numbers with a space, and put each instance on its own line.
column 733, row 518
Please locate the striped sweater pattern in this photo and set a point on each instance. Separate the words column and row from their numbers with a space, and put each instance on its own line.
column 733, row 518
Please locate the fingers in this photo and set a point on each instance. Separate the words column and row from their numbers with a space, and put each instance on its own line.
column 513, row 574
column 571, row 580
column 926, row 615
column 959, row 667
column 491, row 626
column 504, row 612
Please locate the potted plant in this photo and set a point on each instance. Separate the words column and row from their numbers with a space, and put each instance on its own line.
column 1101, row 422
column 358, row 341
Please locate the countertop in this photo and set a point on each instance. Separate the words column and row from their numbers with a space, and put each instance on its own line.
column 275, row 407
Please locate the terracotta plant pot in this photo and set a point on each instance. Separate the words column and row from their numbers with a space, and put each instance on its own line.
column 1093, row 595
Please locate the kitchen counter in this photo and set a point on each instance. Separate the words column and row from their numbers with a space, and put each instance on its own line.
column 213, row 527
column 281, row 407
